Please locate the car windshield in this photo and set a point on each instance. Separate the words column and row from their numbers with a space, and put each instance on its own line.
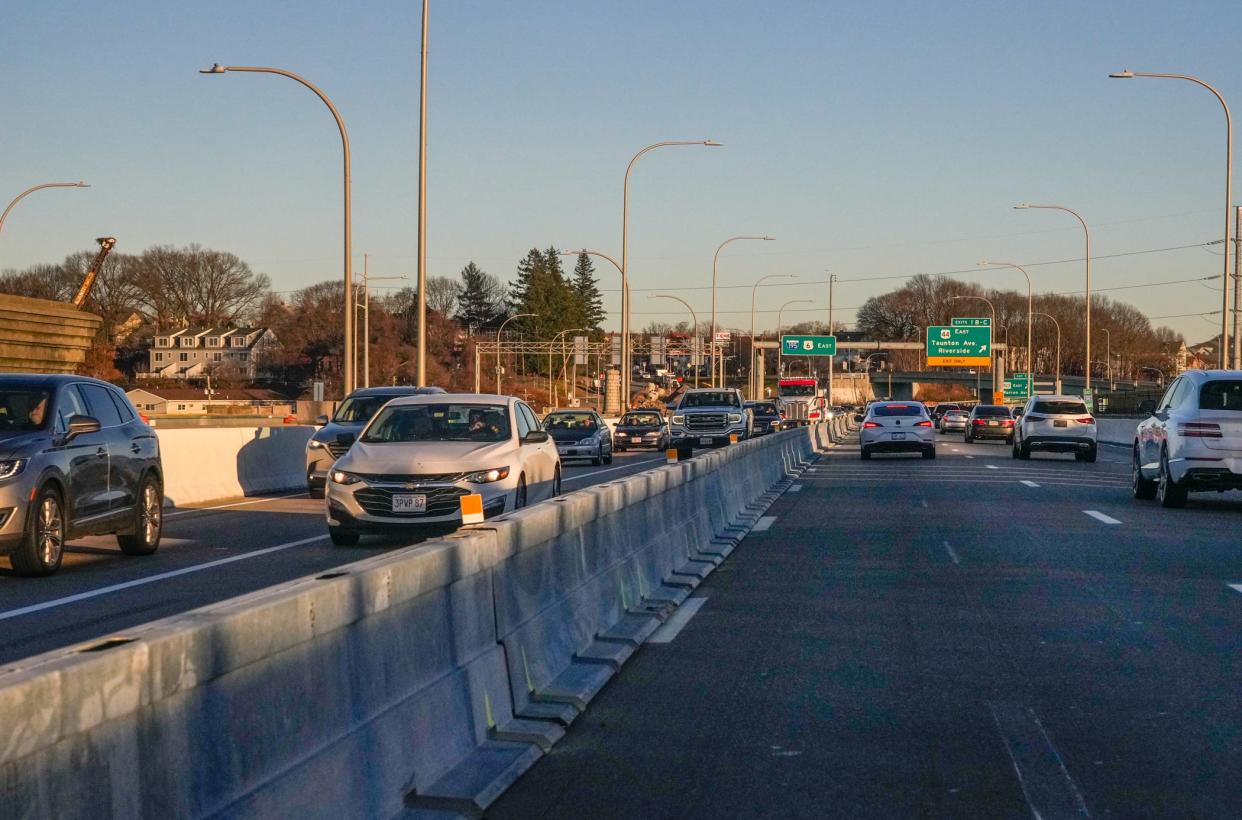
column 642, row 420
column 797, row 390
column 765, row 408
column 574, row 423
column 1060, row 408
column 896, row 410
column 992, row 412
column 439, row 422
column 23, row 410
column 1222, row 394
column 359, row 409
column 714, row 398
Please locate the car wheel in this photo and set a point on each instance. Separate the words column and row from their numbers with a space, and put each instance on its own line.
column 1168, row 492
column 864, row 453
column 966, row 438
column 1144, row 489
column 608, row 458
column 316, row 490
column 519, row 495
column 930, row 452
column 1014, row 449
column 1024, row 451
column 342, row 537
column 148, row 521
column 43, row 543
column 556, row 482
column 1091, row 454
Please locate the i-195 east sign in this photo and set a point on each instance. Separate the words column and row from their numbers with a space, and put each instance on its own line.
column 959, row 346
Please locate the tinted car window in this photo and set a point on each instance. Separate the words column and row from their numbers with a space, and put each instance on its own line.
column 23, row 409
column 712, row 399
column 765, row 408
column 523, row 423
column 101, row 405
column 531, row 419
column 1059, row 408
column 122, row 406
column 68, row 405
column 1221, row 395
column 359, row 409
column 642, row 420
column 897, row 410
column 570, row 421
column 992, row 412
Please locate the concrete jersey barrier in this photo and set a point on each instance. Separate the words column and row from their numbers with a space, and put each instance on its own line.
column 204, row 464
column 425, row 679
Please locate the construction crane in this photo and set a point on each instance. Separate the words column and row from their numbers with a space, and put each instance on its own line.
column 105, row 248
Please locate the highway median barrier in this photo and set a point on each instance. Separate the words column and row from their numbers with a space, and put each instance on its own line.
column 425, row 679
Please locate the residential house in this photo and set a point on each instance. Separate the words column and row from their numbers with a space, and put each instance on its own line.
column 192, row 401
column 192, row 353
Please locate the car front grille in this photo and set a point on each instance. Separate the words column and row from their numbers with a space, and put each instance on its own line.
column 411, row 478
column 705, row 421
column 440, row 501
column 337, row 449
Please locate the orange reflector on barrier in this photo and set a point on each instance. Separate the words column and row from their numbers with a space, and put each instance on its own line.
column 671, row 455
column 472, row 509
column 733, row 438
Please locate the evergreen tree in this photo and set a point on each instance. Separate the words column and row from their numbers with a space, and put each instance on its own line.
column 480, row 298
column 588, row 303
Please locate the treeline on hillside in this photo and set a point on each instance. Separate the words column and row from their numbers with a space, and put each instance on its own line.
column 167, row 288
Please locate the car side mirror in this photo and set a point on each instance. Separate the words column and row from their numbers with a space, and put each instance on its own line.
column 345, row 438
column 321, row 421
column 80, row 425
column 1147, row 407
column 535, row 437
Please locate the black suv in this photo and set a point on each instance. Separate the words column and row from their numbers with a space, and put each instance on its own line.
column 75, row 459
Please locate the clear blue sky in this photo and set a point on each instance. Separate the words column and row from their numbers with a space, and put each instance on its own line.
column 870, row 138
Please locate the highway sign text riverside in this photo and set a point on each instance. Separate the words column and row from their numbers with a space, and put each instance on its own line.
column 959, row 346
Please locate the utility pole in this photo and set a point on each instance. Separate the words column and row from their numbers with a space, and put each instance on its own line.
column 832, row 278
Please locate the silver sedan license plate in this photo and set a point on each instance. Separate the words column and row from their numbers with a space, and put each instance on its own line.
column 899, row 436
column 404, row 502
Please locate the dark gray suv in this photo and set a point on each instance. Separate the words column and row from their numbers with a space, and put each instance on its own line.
column 75, row 459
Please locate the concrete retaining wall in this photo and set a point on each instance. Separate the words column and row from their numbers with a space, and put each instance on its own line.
column 1116, row 430
column 224, row 462
column 428, row 678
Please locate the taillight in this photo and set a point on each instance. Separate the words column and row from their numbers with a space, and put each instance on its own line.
column 1085, row 420
column 922, row 424
column 1199, row 429
column 869, row 424
column 979, row 422
column 1032, row 417
column 1009, row 422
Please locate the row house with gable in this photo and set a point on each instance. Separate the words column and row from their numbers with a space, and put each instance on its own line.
column 192, row 353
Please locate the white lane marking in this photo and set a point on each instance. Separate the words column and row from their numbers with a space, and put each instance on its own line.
column 671, row 628
column 764, row 523
column 991, row 466
column 969, row 456
column 1235, row 587
column 185, row 510
column 151, row 579
column 949, row 549
column 1099, row 516
column 956, row 450
column 631, row 465
column 1046, row 784
column 924, row 500
column 1030, row 483
column 795, row 488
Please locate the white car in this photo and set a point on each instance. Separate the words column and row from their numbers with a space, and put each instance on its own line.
column 896, row 427
column 1058, row 424
column 418, row 456
column 1192, row 441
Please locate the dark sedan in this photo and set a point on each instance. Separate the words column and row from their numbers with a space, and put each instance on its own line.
column 989, row 421
column 767, row 416
column 641, row 428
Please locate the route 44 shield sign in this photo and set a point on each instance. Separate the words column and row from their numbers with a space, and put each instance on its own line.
column 959, row 346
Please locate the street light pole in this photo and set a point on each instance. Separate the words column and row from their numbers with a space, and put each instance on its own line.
column 31, row 190
column 625, row 250
column 992, row 353
column 1108, row 357
column 1087, row 233
column 1058, row 324
column 832, row 280
column 715, row 260
column 348, row 358
column 1223, row 356
column 753, row 293
column 422, row 204
column 502, row 327
column 694, row 333
column 778, row 329
column 1030, row 310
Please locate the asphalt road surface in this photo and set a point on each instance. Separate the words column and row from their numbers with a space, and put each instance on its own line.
column 207, row 554
column 973, row 636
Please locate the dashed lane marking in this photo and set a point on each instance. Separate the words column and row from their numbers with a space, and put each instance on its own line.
column 991, row 466
column 671, row 628
column 151, row 579
column 949, row 549
column 764, row 523
column 1030, row 483
column 1099, row 516
column 1235, row 587
column 795, row 488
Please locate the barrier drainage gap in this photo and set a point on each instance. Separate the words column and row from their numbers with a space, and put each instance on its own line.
column 106, row 644
column 328, row 576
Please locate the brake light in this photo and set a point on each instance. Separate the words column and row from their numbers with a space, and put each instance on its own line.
column 869, row 424
column 1199, row 429
column 979, row 422
column 1033, row 417
column 1085, row 420
column 922, row 424
column 1009, row 422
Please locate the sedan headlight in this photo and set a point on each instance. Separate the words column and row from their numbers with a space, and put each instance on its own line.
column 342, row 477
column 735, row 418
column 488, row 476
column 622, row 434
column 589, row 442
column 12, row 467
column 679, row 419
column 315, row 444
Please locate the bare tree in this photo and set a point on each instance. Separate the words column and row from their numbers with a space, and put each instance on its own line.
column 194, row 285
column 441, row 295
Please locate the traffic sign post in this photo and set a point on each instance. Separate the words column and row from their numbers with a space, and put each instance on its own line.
column 809, row 345
column 959, row 346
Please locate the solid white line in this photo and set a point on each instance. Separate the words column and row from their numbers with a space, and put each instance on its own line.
column 631, row 465
column 671, row 628
column 151, row 579
column 1235, row 587
column 1030, row 483
column 185, row 510
column 764, row 523
column 991, row 466
column 1099, row 516
column 795, row 488
column 952, row 554
column 1046, row 783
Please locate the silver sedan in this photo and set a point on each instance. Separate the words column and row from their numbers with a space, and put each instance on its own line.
column 896, row 427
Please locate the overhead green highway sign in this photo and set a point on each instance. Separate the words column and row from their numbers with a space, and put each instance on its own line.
column 809, row 345
column 959, row 346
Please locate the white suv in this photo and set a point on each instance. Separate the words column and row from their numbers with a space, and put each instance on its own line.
column 1192, row 441
column 1058, row 424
